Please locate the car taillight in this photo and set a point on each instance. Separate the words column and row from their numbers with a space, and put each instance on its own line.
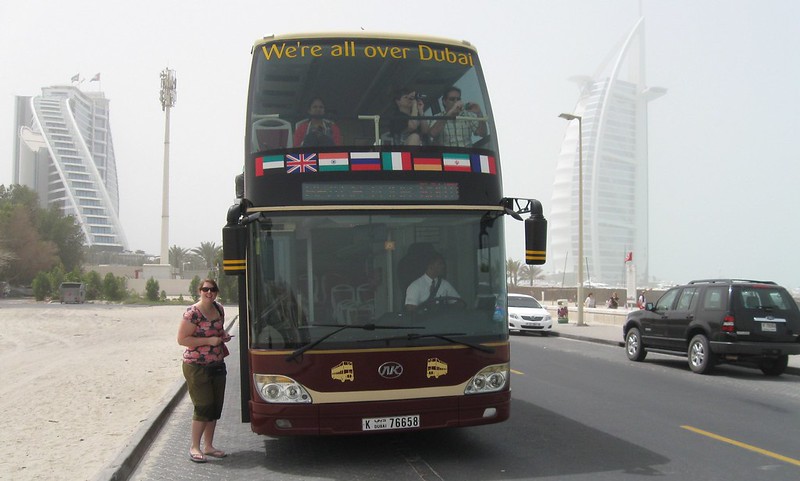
column 728, row 324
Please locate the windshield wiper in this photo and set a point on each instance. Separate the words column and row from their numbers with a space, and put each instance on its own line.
column 445, row 336
column 366, row 327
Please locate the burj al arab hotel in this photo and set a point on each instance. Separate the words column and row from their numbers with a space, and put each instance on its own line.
column 613, row 106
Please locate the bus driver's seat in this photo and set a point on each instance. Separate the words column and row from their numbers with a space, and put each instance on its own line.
column 271, row 132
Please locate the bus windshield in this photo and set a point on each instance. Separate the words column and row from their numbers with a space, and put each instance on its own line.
column 318, row 272
column 366, row 92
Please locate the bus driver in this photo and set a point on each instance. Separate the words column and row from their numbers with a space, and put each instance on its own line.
column 430, row 286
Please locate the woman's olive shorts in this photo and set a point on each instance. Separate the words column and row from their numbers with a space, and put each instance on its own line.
column 206, row 385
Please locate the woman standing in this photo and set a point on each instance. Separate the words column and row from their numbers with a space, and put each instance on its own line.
column 202, row 331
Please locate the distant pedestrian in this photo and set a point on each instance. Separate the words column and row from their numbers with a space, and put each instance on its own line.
column 590, row 301
column 641, row 301
column 202, row 331
column 613, row 301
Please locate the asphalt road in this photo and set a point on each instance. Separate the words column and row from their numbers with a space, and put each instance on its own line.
column 580, row 410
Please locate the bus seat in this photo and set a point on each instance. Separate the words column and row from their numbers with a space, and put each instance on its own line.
column 343, row 297
column 271, row 133
column 363, row 308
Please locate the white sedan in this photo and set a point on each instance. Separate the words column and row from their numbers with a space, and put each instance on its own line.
column 525, row 314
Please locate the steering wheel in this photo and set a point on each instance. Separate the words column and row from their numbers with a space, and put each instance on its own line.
column 450, row 301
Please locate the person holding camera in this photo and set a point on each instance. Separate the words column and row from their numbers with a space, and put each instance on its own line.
column 316, row 131
column 404, row 126
column 459, row 121
column 202, row 332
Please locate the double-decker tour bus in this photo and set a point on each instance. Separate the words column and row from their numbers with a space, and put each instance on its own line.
column 368, row 234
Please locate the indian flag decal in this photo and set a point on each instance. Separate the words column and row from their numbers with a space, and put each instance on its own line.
column 332, row 162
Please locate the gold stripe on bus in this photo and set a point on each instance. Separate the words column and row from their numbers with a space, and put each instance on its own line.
column 319, row 397
column 283, row 352
column 305, row 208
column 233, row 261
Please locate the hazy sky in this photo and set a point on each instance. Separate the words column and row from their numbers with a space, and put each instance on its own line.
column 723, row 172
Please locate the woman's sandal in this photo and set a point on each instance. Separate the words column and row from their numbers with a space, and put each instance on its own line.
column 197, row 457
column 216, row 453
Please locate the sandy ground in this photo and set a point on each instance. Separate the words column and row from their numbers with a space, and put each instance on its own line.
column 77, row 381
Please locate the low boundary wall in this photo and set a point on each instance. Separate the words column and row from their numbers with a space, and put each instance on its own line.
column 613, row 317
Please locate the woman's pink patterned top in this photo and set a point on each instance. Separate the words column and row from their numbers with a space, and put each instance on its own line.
column 206, row 354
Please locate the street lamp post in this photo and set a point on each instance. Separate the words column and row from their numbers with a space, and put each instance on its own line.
column 570, row 117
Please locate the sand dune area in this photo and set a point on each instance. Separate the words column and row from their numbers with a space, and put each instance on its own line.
column 78, row 380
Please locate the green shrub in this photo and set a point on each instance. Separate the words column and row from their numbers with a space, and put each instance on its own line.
column 41, row 286
column 151, row 289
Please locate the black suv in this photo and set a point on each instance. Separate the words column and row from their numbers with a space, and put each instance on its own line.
column 719, row 320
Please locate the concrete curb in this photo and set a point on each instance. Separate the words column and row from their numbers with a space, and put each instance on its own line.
column 126, row 461
column 588, row 339
column 792, row 371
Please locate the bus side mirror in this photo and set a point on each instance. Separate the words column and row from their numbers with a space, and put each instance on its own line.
column 234, row 242
column 535, row 239
column 239, row 186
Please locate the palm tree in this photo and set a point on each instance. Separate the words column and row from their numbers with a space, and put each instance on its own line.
column 208, row 251
column 530, row 273
column 512, row 271
column 177, row 256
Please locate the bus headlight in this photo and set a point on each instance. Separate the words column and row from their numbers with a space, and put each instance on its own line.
column 489, row 379
column 280, row 389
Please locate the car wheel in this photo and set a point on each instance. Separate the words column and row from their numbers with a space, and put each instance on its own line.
column 633, row 345
column 701, row 359
column 774, row 366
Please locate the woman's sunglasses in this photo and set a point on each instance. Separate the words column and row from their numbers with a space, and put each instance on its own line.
column 212, row 289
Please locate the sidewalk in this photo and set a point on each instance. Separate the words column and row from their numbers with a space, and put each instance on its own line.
column 612, row 335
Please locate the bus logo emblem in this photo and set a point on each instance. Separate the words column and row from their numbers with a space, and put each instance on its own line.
column 343, row 371
column 436, row 368
column 390, row 370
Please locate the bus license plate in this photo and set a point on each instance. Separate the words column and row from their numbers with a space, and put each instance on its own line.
column 393, row 422
column 768, row 327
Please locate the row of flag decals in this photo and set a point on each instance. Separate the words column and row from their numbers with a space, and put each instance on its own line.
column 381, row 161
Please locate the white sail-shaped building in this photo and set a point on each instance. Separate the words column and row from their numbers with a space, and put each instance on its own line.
column 63, row 151
column 613, row 107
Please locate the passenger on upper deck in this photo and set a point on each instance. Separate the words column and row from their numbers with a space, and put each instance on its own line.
column 316, row 131
column 403, row 127
column 457, row 125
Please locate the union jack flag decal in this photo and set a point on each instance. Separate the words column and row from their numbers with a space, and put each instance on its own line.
column 301, row 163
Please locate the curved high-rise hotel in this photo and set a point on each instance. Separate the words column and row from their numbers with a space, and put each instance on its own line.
column 63, row 151
column 613, row 107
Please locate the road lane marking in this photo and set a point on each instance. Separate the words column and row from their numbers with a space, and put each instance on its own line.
column 518, row 372
column 742, row 445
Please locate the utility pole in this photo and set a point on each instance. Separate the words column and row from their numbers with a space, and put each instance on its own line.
column 168, row 96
